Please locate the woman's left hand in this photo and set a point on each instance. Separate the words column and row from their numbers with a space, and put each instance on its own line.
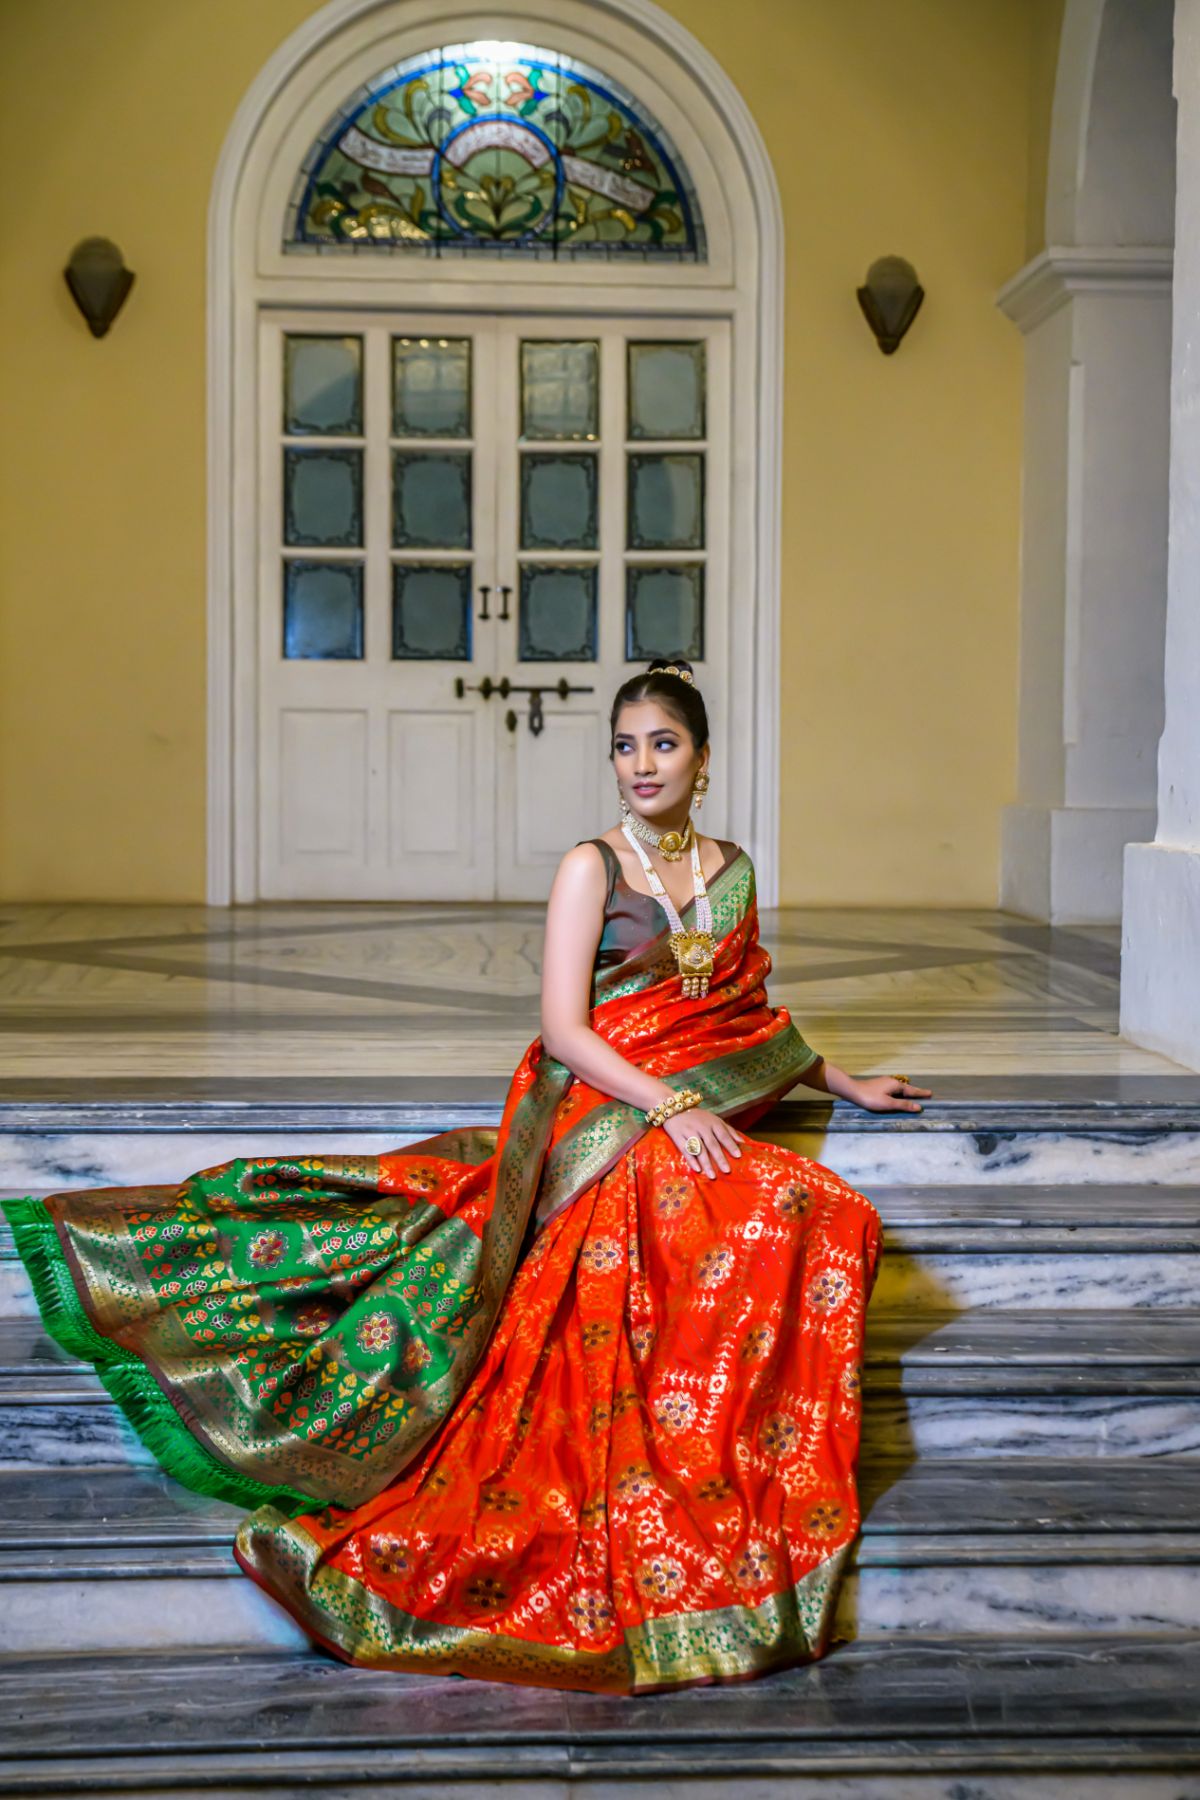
column 885, row 1093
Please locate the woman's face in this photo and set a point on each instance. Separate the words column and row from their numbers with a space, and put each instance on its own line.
column 656, row 760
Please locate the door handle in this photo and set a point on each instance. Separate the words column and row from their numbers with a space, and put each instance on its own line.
column 504, row 593
column 484, row 591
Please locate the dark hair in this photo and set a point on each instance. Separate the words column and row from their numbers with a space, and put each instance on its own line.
column 682, row 699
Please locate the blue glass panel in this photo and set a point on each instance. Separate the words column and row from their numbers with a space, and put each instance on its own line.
column 431, row 387
column 558, row 501
column 322, row 497
column 431, row 499
column 666, row 390
column 666, row 502
column 322, row 386
column 560, row 389
column 556, row 613
column 322, row 610
column 664, row 611
column 431, row 612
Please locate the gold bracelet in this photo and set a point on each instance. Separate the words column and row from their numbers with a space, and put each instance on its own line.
column 674, row 1103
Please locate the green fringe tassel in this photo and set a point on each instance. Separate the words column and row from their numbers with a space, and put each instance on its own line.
column 143, row 1403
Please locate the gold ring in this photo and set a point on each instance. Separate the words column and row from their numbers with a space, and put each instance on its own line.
column 693, row 1146
column 903, row 1078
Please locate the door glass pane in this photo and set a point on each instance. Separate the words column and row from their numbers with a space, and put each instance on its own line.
column 666, row 390
column 556, row 614
column 322, row 386
column 431, row 612
column 558, row 501
column 431, row 387
column 431, row 499
column 666, row 502
column 322, row 497
column 664, row 612
column 560, row 389
column 322, row 609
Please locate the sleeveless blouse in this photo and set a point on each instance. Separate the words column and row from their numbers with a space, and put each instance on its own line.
column 630, row 917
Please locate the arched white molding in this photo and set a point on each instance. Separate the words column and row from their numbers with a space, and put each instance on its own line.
column 326, row 58
column 1095, row 312
column 1111, row 137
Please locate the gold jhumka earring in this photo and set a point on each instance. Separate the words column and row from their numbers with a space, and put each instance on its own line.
column 699, row 789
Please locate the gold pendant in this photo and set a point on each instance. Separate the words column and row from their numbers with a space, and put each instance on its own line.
column 694, row 954
column 672, row 844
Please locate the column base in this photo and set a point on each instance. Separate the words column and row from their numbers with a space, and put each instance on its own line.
column 1160, row 951
column 1064, row 863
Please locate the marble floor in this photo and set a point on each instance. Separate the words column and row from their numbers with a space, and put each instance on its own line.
column 194, row 1001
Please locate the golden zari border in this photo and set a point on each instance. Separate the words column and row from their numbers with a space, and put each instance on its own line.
column 725, row 1644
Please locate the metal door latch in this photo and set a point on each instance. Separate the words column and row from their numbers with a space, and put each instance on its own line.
column 504, row 687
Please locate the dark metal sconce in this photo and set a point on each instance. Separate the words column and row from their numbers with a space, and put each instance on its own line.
column 99, row 282
column 890, row 300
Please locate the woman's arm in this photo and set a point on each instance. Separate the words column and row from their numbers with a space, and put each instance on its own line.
column 574, row 921
column 875, row 1093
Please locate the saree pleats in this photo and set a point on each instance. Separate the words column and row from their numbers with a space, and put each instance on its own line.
column 533, row 1402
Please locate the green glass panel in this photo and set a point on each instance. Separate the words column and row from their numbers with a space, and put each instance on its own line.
column 558, row 501
column 431, row 499
column 431, row 612
column 560, row 388
column 664, row 611
column 322, row 386
column 322, row 610
column 431, row 387
column 322, row 497
column 666, row 502
column 556, row 613
column 666, row 390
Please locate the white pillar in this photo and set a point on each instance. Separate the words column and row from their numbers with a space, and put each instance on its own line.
column 1160, row 951
column 1097, row 326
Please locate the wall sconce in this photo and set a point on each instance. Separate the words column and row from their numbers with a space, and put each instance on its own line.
column 890, row 300
column 99, row 282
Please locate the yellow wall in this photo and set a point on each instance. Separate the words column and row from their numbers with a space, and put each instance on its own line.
column 893, row 127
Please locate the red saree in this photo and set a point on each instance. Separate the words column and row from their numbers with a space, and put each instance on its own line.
column 620, row 1460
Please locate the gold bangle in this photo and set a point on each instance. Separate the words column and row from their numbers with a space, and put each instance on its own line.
column 674, row 1103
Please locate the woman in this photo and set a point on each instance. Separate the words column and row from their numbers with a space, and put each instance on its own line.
column 573, row 1403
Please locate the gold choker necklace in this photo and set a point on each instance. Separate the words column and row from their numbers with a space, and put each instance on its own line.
column 671, row 845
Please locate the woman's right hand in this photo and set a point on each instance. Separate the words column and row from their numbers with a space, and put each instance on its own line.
column 716, row 1139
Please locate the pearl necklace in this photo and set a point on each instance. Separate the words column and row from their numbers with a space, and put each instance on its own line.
column 694, row 950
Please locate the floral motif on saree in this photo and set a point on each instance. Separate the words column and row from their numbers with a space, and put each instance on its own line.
column 533, row 1403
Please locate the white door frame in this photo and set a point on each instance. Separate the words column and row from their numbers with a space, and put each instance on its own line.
column 298, row 89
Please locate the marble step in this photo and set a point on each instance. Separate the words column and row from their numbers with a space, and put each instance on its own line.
column 947, row 1247
column 1153, row 1352
column 985, row 1385
column 1119, row 1137
column 105, row 1559
column 948, row 1716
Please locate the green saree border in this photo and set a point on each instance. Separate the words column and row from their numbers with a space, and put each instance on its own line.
column 125, row 1376
column 729, row 1084
column 722, row 1644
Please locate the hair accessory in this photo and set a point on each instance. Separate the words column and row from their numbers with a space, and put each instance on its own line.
column 672, row 669
column 679, row 1102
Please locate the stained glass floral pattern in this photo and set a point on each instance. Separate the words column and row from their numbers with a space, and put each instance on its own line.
column 496, row 147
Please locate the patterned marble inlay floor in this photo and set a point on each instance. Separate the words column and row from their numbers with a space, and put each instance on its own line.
column 186, row 994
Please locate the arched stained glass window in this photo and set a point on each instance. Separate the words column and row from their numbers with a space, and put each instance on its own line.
column 498, row 148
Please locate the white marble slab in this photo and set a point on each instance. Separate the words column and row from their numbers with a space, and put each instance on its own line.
column 947, row 1282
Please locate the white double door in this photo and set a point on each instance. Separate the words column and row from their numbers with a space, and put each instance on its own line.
column 451, row 505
